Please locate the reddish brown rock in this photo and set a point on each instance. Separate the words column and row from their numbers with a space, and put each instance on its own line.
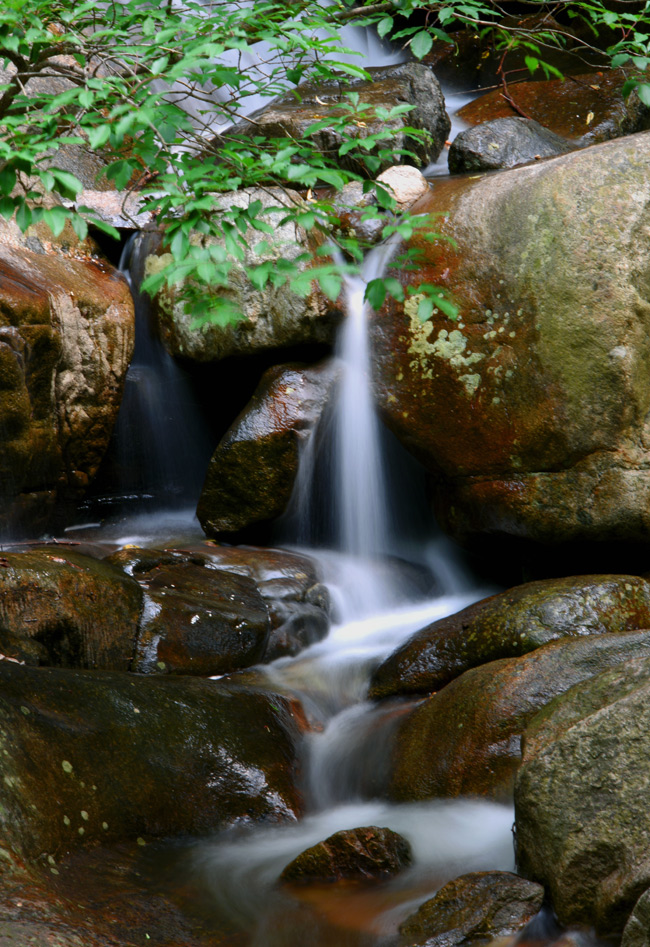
column 63, row 609
column 361, row 854
column 66, row 339
column 466, row 739
column 511, row 624
column 589, row 107
column 252, row 472
column 530, row 411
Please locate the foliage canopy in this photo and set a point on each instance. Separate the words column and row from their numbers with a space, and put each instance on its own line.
column 161, row 90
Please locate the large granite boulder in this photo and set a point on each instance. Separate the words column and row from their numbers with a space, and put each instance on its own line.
column 251, row 475
column 583, row 828
column 274, row 317
column 466, row 739
column 475, row 909
column 93, row 757
column 66, row 339
column 504, row 143
column 510, row 624
column 531, row 409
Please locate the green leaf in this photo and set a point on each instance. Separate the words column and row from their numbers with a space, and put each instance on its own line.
column 330, row 283
column 384, row 26
column 7, row 179
column 425, row 309
column 531, row 63
column 643, row 91
column 55, row 218
column 421, row 44
column 375, row 293
column 79, row 226
column 67, row 183
column 98, row 136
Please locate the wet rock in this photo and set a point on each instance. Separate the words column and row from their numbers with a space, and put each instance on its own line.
column 580, row 799
column 411, row 83
column 200, row 621
column 92, row 758
column 212, row 610
column 357, row 210
column 66, row 339
column 63, row 609
column 530, row 410
column 511, row 624
column 504, row 143
column 637, row 930
column 360, row 854
column 466, row 739
column 251, row 474
column 274, row 317
column 587, row 108
column 477, row 908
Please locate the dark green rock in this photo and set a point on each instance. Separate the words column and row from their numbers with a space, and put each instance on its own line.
column 474, row 909
column 510, row 624
column 466, row 739
column 90, row 758
column 504, row 143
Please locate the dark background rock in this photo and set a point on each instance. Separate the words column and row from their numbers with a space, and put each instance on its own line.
column 477, row 908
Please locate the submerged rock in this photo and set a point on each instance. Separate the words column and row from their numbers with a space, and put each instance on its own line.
column 359, row 854
column 504, row 143
column 510, row 624
column 63, row 609
column 66, row 339
column 530, row 411
column 474, row 909
column 466, row 739
column 251, row 475
column 94, row 758
column 582, row 820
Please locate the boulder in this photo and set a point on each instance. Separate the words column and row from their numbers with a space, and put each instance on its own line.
column 637, row 930
column 99, row 758
column 504, row 143
column 587, row 108
column 390, row 86
column 63, row 609
column 477, row 908
column 582, row 824
column 212, row 610
column 466, row 739
column 530, row 411
column 359, row 854
column 511, row 624
column 66, row 339
column 251, row 474
column 273, row 317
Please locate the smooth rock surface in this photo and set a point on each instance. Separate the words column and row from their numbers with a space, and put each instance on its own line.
column 511, row 624
column 466, row 739
column 583, row 828
column 95, row 758
column 477, row 908
column 361, row 854
column 503, row 143
column 530, row 411
column 250, row 477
